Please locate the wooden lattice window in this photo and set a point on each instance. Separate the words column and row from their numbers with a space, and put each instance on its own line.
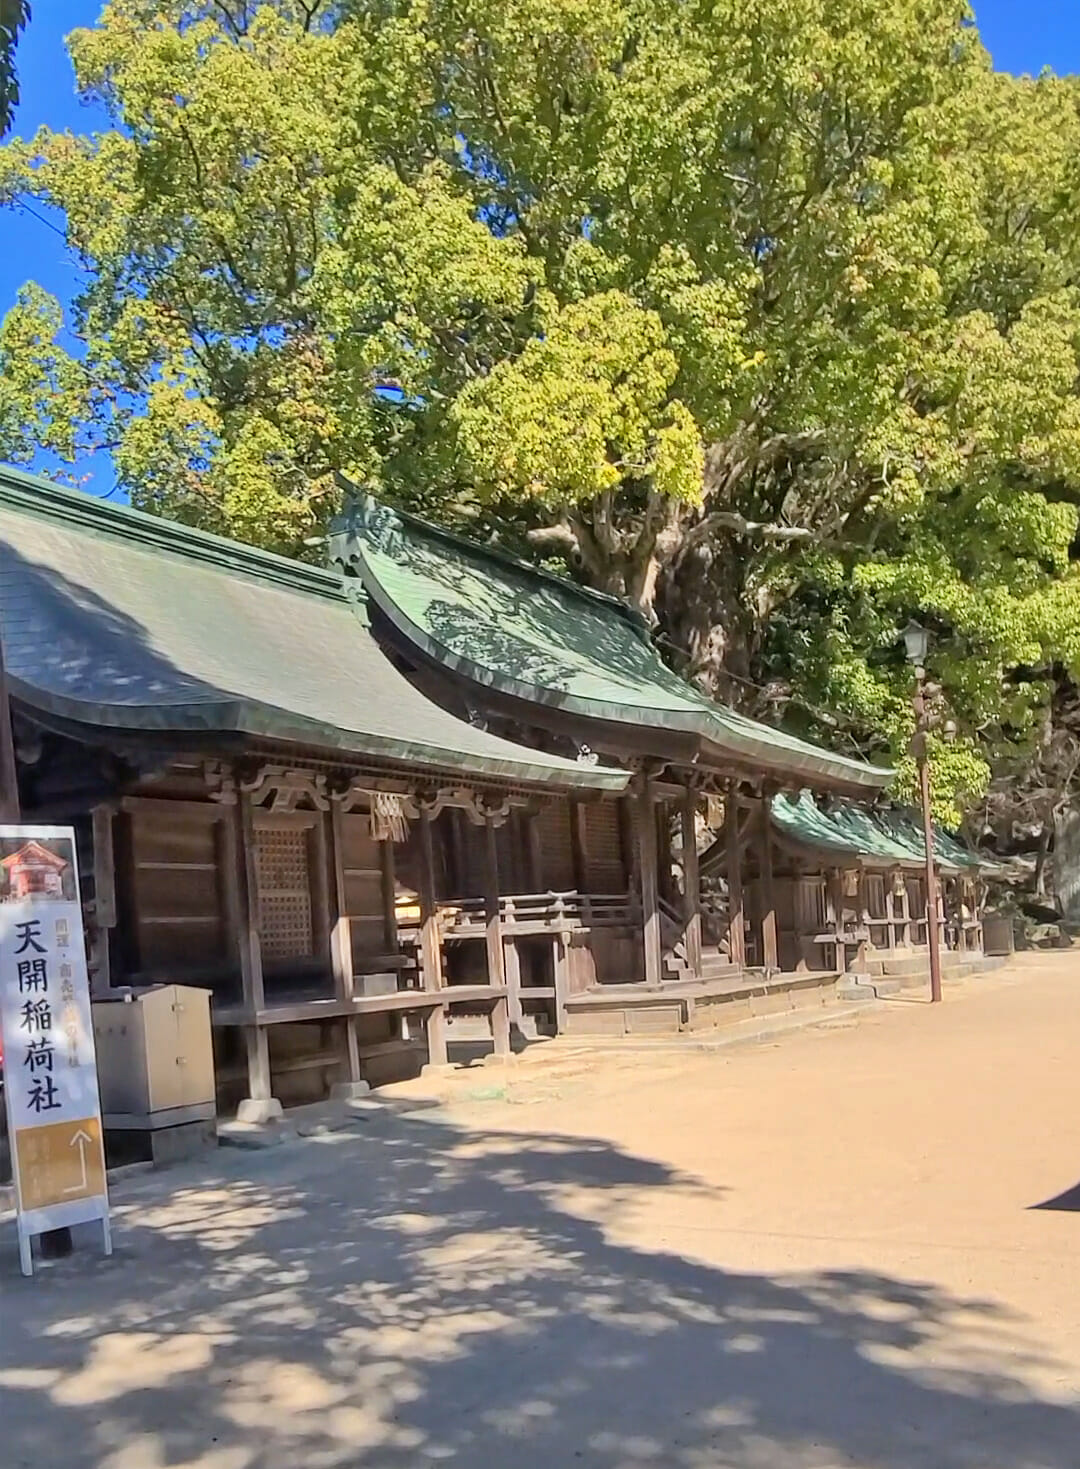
column 283, row 868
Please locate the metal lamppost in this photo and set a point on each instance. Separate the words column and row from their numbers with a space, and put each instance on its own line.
column 916, row 642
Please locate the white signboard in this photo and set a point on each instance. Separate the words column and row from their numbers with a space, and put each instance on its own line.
column 50, row 1072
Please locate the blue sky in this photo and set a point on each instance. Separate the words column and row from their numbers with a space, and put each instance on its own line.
column 1022, row 35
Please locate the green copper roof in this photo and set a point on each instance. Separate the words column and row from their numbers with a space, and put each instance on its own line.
column 540, row 638
column 881, row 837
column 118, row 619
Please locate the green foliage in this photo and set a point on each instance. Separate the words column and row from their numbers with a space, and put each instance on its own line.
column 763, row 316
column 13, row 17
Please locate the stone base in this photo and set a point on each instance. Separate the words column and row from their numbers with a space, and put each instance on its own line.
column 438, row 1068
column 251, row 1110
column 348, row 1091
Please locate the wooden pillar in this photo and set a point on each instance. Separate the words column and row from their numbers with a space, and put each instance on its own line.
column 769, row 947
column 260, row 1092
column 834, row 915
column 493, row 937
column 341, row 955
column 691, row 880
column 863, row 952
column 512, row 970
column 247, row 894
column 736, row 921
column 431, row 970
column 104, row 913
column 905, row 909
column 650, row 905
column 560, row 966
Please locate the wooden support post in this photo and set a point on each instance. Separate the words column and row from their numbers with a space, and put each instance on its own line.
column 863, row 951
column 512, row 970
column 691, row 880
column 261, row 1104
column 736, row 920
column 650, row 904
column 493, row 938
column 560, row 964
column 341, row 958
column 834, row 915
column 258, row 1063
column 431, row 969
column 769, row 947
column 341, row 955
column 251, row 970
column 104, row 912
column 905, row 909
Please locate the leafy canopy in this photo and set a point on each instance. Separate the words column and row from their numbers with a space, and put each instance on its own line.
column 761, row 314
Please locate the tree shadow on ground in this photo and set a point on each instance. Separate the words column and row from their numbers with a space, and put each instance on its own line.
column 1067, row 1202
column 412, row 1291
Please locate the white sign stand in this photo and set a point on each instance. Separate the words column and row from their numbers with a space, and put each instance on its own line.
column 50, row 1070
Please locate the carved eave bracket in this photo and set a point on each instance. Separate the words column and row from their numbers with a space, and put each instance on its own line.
column 281, row 789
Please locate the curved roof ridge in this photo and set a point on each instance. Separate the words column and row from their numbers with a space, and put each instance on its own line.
column 502, row 624
column 46, row 500
column 360, row 498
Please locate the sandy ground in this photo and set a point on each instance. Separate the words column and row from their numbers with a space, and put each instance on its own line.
column 819, row 1251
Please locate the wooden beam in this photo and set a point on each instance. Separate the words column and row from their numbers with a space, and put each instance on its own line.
column 691, row 879
column 500, row 1013
column 650, row 906
column 769, row 946
column 736, row 920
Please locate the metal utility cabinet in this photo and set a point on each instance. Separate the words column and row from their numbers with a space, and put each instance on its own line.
column 156, row 1066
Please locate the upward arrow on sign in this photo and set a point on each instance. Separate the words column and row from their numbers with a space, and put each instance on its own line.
column 80, row 1140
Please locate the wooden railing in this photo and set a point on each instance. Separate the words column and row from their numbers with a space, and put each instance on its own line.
column 531, row 913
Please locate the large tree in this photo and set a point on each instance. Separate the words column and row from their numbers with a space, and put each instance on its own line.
column 13, row 16
column 762, row 315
